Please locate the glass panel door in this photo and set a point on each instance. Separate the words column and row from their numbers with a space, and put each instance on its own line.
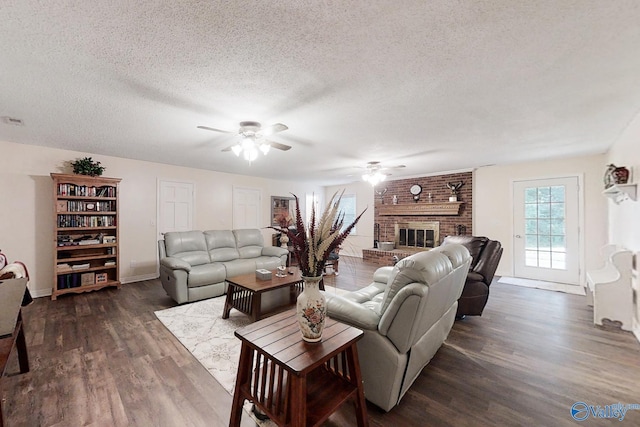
column 546, row 241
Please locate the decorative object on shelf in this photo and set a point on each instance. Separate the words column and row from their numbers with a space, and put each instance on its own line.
column 614, row 175
column 88, row 167
column 282, row 211
column 454, row 187
column 415, row 190
column 312, row 246
column 381, row 194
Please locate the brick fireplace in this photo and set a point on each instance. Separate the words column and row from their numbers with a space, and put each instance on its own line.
column 422, row 224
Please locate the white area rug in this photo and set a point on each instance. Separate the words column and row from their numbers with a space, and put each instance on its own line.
column 549, row 286
column 199, row 326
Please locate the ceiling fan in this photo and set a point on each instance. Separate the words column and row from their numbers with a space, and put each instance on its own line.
column 375, row 175
column 253, row 138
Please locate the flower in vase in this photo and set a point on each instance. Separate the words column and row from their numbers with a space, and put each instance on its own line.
column 312, row 244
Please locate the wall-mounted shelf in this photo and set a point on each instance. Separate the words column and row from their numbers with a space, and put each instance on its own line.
column 620, row 192
column 426, row 209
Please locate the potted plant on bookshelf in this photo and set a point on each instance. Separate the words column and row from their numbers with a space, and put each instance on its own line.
column 87, row 166
column 312, row 245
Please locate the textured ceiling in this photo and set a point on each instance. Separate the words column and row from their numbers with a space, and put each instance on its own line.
column 436, row 85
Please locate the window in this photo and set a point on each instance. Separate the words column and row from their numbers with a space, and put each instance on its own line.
column 348, row 207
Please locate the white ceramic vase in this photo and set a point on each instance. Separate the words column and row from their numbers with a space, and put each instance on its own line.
column 311, row 310
column 284, row 240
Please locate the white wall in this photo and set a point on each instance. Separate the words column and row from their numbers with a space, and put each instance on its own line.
column 492, row 203
column 27, row 221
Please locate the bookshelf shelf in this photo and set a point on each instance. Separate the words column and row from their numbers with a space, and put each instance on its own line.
column 85, row 213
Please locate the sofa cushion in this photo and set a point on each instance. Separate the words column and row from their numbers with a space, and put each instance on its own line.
column 189, row 246
column 221, row 245
column 206, row 274
column 237, row 267
column 249, row 242
column 474, row 244
column 267, row 262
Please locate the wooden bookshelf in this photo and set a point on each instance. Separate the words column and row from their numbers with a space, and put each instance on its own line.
column 86, row 239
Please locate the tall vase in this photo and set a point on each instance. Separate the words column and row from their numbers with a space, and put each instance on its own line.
column 311, row 309
column 284, row 240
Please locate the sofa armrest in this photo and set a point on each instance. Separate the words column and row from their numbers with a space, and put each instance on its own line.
column 175, row 264
column 274, row 251
column 351, row 312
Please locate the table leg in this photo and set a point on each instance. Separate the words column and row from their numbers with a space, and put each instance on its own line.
column 228, row 302
column 359, row 402
column 243, row 376
column 298, row 401
column 21, row 346
column 256, row 305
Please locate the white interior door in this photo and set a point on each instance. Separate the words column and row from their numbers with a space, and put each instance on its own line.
column 246, row 208
column 546, row 230
column 175, row 206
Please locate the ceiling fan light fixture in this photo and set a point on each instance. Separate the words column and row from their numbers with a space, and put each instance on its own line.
column 237, row 149
column 252, row 139
column 374, row 178
column 250, row 154
column 264, row 148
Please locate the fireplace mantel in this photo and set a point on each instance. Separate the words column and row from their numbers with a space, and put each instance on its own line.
column 425, row 209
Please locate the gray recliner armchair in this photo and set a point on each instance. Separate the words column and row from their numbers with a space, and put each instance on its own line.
column 406, row 314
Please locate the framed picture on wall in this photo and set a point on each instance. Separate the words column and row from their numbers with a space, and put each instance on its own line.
column 282, row 210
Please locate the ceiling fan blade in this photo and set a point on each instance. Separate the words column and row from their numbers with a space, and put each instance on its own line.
column 393, row 167
column 214, row 129
column 279, row 146
column 278, row 127
column 228, row 148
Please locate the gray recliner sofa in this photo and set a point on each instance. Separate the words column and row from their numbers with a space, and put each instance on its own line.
column 406, row 314
column 194, row 265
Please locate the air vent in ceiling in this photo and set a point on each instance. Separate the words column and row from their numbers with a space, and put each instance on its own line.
column 13, row 121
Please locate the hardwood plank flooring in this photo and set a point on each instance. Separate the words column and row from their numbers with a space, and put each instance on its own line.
column 103, row 359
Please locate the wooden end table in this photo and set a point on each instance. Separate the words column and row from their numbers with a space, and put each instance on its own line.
column 244, row 292
column 294, row 382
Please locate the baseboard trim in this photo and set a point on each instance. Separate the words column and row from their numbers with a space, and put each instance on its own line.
column 140, row 278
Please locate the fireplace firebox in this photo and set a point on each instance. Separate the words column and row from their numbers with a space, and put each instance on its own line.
column 417, row 235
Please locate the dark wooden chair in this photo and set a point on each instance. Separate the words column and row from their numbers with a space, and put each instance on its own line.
column 334, row 259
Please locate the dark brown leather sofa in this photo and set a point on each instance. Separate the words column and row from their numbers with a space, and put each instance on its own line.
column 486, row 255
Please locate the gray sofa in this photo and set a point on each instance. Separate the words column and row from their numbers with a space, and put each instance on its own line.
column 194, row 265
column 406, row 314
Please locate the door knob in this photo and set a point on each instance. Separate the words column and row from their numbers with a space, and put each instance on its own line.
column 518, row 236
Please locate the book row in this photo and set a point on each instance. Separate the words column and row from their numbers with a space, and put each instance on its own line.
column 83, row 206
column 86, row 221
column 86, row 191
column 75, row 280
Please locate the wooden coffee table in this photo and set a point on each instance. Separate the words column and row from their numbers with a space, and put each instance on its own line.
column 244, row 293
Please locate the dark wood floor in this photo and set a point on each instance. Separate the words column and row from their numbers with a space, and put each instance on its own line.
column 103, row 359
